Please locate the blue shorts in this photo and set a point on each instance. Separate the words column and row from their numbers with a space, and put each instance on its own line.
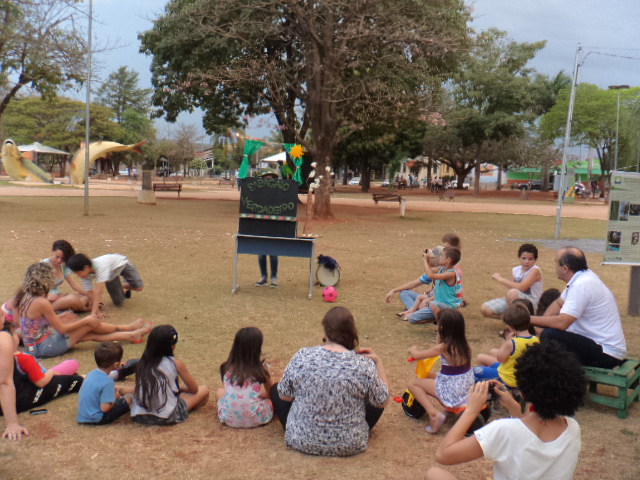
column 52, row 346
column 486, row 373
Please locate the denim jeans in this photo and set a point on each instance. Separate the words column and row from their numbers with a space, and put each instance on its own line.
column 424, row 315
column 273, row 260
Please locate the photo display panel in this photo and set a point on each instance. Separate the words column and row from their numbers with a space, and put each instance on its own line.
column 268, row 207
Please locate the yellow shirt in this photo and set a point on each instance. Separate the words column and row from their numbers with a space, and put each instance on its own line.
column 507, row 370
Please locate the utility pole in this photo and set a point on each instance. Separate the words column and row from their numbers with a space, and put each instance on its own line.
column 567, row 135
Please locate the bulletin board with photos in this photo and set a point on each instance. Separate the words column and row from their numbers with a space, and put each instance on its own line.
column 623, row 230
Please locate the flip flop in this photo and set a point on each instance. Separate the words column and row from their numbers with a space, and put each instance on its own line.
column 400, row 314
column 440, row 421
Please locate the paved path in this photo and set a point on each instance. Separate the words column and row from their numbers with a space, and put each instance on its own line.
column 103, row 188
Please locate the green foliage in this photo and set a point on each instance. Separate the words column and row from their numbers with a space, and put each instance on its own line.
column 594, row 120
column 120, row 92
column 40, row 47
column 494, row 97
column 326, row 68
column 59, row 122
column 198, row 164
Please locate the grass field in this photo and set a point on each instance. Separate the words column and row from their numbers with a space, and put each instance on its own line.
column 184, row 252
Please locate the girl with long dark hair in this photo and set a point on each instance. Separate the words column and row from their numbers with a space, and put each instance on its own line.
column 159, row 399
column 244, row 400
column 451, row 385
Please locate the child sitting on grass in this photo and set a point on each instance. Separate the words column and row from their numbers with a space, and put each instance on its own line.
column 447, row 287
column 244, row 401
column 500, row 362
column 452, row 384
column 527, row 283
column 100, row 402
column 35, row 385
column 543, row 443
column 159, row 399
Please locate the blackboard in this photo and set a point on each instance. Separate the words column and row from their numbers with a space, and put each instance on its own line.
column 268, row 207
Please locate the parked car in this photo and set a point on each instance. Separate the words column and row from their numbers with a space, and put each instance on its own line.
column 354, row 181
column 534, row 185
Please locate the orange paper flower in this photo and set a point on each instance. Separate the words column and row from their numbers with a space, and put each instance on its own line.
column 297, row 151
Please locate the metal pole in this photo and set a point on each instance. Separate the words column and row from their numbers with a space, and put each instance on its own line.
column 567, row 135
column 615, row 161
column 88, row 115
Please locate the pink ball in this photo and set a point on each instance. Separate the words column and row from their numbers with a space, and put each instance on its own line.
column 329, row 294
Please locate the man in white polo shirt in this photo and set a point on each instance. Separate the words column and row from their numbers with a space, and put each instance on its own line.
column 585, row 319
column 105, row 273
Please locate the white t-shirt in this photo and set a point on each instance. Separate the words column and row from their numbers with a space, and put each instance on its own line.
column 519, row 453
column 536, row 289
column 108, row 267
column 589, row 300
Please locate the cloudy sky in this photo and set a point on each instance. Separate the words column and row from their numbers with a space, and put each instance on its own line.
column 607, row 30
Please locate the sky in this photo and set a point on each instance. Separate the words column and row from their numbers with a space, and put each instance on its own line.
column 607, row 31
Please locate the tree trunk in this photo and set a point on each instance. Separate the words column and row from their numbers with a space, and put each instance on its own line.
column 365, row 175
column 499, row 184
column 545, row 178
column 476, row 178
column 460, row 180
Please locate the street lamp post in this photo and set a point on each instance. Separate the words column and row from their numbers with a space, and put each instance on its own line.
column 618, row 88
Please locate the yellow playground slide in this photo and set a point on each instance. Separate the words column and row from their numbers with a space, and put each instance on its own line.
column 19, row 167
column 97, row 150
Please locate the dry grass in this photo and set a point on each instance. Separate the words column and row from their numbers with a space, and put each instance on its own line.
column 184, row 252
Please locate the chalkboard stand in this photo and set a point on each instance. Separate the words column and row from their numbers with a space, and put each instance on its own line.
column 279, row 246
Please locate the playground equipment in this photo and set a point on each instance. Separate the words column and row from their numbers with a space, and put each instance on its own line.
column 97, row 150
column 19, row 167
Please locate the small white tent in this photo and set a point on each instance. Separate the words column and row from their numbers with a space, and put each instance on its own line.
column 269, row 161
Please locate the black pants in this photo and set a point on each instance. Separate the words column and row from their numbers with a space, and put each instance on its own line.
column 281, row 409
column 589, row 353
column 30, row 396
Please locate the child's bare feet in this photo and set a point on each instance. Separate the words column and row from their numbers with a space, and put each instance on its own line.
column 436, row 424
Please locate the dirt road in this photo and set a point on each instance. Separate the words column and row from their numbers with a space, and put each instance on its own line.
column 468, row 203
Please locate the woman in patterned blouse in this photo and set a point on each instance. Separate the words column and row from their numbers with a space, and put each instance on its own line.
column 331, row 395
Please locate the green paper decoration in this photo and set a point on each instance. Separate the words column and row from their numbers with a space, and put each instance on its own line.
column 297, row 175
column 250, row 147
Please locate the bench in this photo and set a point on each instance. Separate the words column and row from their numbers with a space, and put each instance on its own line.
column 626, row 378
column 227, row 181
column 447, row 195
column 168, row 187
column 386, row 197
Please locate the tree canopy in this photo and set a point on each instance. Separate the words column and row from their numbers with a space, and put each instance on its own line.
column 594, row 120
column 325, row 68
column 59, row 122
column 120, row 92
column 493, row 98
column 40, row 47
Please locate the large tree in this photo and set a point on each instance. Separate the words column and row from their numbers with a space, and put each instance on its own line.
column 40, row 47
column 120, row 92
column 493, row 98
column 326, row 68
column 378, row 145
column 594, row 120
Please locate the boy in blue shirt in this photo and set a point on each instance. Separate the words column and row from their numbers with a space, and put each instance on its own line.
column 99, row 401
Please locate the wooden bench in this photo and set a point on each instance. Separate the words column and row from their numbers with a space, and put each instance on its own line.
column 168, row 187
column 386, row 197
column 227, row 181
column 448, row 195
column 626, row 378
